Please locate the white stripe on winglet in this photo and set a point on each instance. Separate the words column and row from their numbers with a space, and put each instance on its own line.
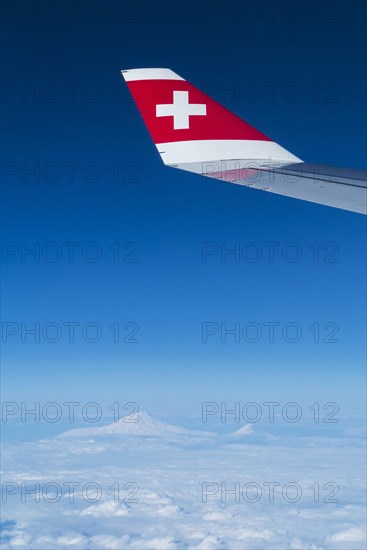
column 150, row 74
column 223, row 149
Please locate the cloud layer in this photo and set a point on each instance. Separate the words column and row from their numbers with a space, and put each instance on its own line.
column 187, row 491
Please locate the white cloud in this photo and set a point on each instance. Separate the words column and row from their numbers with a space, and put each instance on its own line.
column 104, row 509
column 352, row 534
column 170, row 513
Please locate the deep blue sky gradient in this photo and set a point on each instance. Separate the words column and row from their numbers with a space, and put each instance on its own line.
column 169, row 214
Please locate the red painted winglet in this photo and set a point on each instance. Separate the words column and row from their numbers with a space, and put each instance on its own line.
column 154, row 98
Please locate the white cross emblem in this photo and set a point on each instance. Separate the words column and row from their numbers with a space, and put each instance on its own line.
column 181, row 110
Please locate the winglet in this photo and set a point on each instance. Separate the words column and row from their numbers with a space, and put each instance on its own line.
column 188, row 126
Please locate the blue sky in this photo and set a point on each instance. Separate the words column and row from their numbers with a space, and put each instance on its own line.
column 82, row 116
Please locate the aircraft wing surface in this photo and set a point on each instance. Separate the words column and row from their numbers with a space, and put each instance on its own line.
column 193, row 132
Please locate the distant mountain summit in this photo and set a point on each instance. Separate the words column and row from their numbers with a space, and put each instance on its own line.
column 242, row 432
column 249, row 434
column 140, row 423
column 143, row 424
